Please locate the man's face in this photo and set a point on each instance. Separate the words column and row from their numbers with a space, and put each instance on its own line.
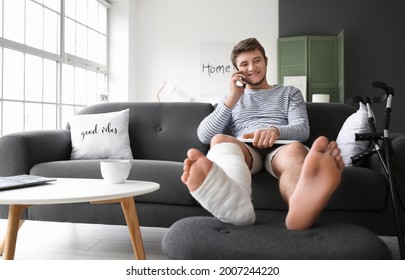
column 254, row 67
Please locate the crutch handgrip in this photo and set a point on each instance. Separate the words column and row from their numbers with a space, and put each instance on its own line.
column 367, row 136
column 388, row 91
column 358, row 157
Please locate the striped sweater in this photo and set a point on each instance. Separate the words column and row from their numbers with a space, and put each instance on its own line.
column 282, row 107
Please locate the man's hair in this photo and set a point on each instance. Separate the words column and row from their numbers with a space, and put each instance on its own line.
column 246, row 45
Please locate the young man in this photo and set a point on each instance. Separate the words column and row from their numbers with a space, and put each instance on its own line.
column 221, row 181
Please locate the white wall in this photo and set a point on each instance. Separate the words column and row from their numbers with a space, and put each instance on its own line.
column 165, row 36
column 119, row 50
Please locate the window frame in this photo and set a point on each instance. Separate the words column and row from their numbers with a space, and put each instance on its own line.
column 61, row 58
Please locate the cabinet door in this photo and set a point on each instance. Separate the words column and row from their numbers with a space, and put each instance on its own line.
column 292, row 57
column 322, row 71
column 320, row 58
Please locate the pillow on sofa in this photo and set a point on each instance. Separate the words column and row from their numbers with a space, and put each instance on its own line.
column 356, row 123
column 101, row 136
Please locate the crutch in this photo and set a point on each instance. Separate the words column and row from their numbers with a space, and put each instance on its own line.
column 374, row 137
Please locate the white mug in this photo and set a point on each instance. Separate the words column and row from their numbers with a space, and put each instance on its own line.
column 115, row 171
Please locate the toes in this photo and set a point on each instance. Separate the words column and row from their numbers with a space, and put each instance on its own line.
column 336, row 151
column 340, row 162
column 188, row 162
column 184, row 177
column 331, row 148
column 194, row 154
column 320, row 144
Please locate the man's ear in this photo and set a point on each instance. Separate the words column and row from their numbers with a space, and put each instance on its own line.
column 266, row 59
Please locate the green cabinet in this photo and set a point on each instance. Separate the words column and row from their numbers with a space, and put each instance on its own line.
column 319, row 58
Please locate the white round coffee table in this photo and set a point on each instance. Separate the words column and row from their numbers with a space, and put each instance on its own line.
column 68, row 190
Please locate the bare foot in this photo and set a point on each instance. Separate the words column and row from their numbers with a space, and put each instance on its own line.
column 195, row 169
column 320, row 176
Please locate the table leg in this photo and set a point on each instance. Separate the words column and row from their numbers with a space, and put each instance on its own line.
column 3, row 242
column 14, row 216
column 131, row 217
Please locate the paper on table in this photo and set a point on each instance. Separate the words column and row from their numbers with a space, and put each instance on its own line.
column 280, row 141
column 19, row 181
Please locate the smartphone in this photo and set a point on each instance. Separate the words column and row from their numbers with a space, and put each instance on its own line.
column 241, row 82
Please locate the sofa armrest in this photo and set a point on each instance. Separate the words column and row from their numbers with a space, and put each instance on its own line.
column 398, row 160
column 19, row 152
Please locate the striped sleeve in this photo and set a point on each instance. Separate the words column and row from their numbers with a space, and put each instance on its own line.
column 215, row 123
column 298, row 126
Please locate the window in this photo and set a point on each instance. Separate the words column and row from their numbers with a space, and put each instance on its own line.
column 53, row 61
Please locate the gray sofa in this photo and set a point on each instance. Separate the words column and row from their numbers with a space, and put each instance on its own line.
column 160, row 135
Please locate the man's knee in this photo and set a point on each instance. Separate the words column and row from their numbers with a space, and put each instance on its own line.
column 295, row 149
column 221, row 138
column 290, row 156
column 224, row 138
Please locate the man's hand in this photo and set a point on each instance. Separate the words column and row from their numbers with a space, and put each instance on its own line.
column 263, row 138
column 236, row 90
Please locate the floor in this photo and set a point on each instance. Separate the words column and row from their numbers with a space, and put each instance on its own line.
column 67, row 241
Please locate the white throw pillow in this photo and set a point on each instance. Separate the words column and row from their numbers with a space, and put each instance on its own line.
column 356, row 123
column 101, row 136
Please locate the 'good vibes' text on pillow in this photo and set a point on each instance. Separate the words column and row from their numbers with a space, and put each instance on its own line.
column 104, row 129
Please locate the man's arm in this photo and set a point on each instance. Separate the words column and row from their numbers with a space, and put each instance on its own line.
column 298, row 124
column 217, row 121
column 214, row 124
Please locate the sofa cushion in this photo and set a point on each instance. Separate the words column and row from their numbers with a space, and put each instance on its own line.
column 357, row 184
column 160, row 131
column 346, row 140
column 326, row 119
column 100, row 136
column 165, row 173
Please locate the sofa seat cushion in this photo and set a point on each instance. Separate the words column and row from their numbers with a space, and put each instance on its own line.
column 360, row 189
column 165, row 173
column 198, row 238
